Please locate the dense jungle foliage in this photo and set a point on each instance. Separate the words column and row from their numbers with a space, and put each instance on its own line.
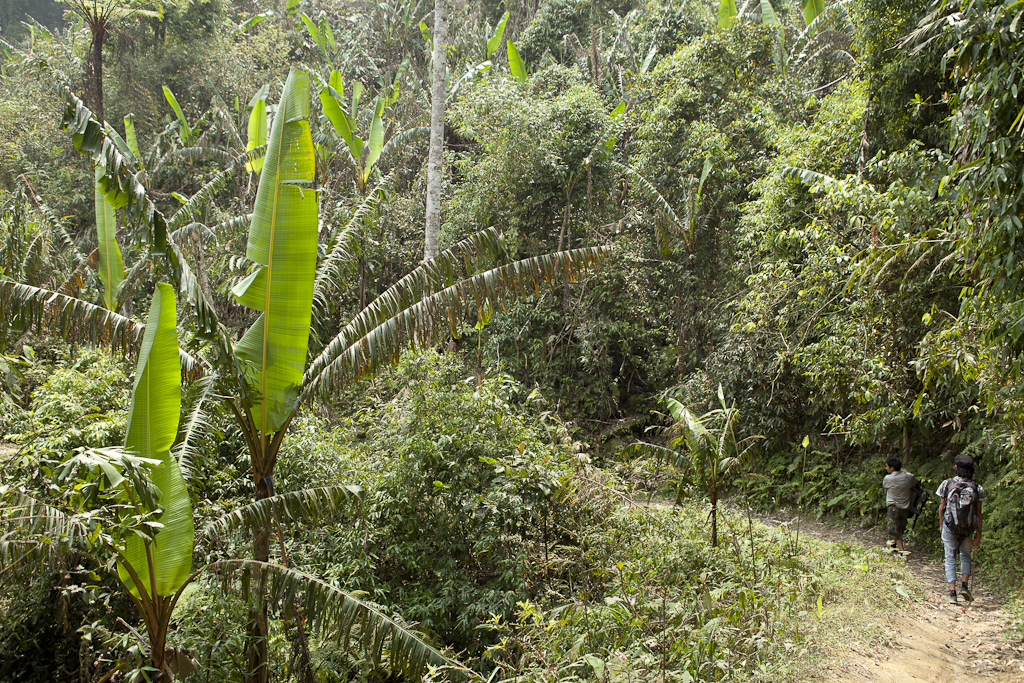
column 693, row 250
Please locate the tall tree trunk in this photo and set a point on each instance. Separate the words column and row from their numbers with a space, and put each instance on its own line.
column 435, row 160
column 94, row 72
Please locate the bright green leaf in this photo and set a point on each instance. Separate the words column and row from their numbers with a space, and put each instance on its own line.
column 727, row 14
column 187, row 136
column 152, row 426
column 495, row 42
column 257, row 131
column 515, row 62
column 133, row 142
column 282, row 237
column 111, row 267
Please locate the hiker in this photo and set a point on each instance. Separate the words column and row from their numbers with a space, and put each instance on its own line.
column 960, row 523
column 898, row 484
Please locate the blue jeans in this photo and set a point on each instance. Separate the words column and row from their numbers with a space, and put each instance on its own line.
column 949, row 540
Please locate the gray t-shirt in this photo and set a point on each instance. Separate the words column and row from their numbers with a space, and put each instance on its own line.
column 897, row 487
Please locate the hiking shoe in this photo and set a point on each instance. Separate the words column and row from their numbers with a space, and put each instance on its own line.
column 952, row 597
column 966, row 593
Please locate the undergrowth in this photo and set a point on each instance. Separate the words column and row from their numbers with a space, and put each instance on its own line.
column 658, row 603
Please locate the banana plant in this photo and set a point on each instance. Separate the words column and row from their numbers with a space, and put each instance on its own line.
column 706, row 449
column 147, row 541
column 515, row 63
column 517, row 67
column 363, row 155
column 321, row 34
column 156, row 570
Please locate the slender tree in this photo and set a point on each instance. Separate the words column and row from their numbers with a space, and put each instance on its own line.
column 435, row 159
column 100, row 16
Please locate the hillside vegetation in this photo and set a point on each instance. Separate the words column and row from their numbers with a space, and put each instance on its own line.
column 689, row 252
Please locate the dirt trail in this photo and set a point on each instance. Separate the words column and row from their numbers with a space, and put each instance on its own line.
column 938, row 642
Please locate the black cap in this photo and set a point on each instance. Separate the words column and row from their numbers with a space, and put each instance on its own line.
column 963, row 459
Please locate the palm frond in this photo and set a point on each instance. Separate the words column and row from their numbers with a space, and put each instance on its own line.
column 34, row 531
column 122, row 187
column 648, row 190
column 331, row 610
column 415, row 310
column 189, row 209
column 24, row 308
column 236, row 223
column 403, row 141
column 125, row 189
column 307, row 505
column 62, row 240
column 805, row 176
column 186, row 231
column 341, row 248
column 194, row 426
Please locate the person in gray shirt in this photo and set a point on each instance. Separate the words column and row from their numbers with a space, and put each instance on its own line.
column 897, row 484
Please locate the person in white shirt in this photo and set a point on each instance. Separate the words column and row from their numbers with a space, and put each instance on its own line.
column 960, row 523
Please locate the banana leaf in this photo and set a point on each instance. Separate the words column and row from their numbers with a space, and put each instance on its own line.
column 812, row 9
column 152, row 427
column 111, row 266
column 515, row 62
column 257, row 134
column 727, row 14
column 282, row 241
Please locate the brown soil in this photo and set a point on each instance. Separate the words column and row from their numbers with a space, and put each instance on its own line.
column 937, row 641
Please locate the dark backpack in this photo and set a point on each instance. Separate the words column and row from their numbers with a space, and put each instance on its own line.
column 960, row 517
column 918, row 499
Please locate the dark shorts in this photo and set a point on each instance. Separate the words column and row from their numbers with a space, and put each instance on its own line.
column 897, row 522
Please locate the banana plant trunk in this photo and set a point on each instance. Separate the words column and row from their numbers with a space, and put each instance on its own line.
column 264, row 458
column 258, row 634
column 435, row 158
column 257, row 650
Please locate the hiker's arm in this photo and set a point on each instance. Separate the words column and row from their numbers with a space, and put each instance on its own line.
column 977, row 536
column 942, row 509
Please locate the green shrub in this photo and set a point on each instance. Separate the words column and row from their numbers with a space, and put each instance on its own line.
column 471, row 493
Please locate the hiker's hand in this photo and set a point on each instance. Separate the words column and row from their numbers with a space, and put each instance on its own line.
column 976, row 542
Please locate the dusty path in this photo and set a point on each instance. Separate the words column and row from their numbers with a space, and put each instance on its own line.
column 938, row 642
